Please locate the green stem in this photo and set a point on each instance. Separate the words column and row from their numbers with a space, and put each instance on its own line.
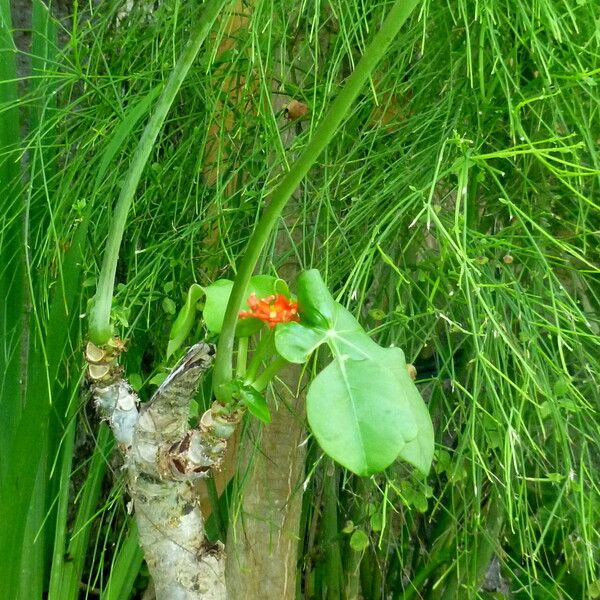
column 263, row 349
column 213, row 498
column 260, row 383
column 242, row 357
column 331, row 534
column 100, row 329
column 323, row 134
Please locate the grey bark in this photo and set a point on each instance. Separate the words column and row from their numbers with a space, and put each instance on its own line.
column 163, row 457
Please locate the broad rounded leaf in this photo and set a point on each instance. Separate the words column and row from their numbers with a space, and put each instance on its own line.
column 316, row 305
column 296, row 342
column 359, row 540
column 419, row 451
column 346, row 337
column 359, row 415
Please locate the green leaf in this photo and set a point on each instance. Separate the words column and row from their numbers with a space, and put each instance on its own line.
column 359, row 414
column 185, row 319
column 158, row 378
column 418, row 451
column 419, row 502
column 217, row 297
column 359, row 541
column 169, row 306
column 443, row 461
column 348, row 527
column 125, row 568
column 346, row 337
column 376, row 521
column 281, row 287
column 315, row 303
column 366, row 413
column 135, row 381
column 255, row 402
column 296, row 342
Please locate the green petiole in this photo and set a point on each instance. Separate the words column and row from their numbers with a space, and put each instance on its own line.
column 100, row 329
column 264, row 349
column 242, row 357
column 263, row 380
column 323, row 134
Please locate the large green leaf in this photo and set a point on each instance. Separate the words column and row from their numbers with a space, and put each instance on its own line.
column 346, row 337
column 364, row 409
column 366, row 413
column 419, row 451
column 359, row 415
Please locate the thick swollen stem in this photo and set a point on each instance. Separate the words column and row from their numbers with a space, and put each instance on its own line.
column 322, row 135
column 163, row 457
column 100, row 330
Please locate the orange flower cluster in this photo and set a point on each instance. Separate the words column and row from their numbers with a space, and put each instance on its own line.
column 271, row 310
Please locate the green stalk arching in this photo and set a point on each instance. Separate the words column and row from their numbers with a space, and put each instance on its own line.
column 100, row 330
column 323, row 134
column 263, row 350
column 262, row 381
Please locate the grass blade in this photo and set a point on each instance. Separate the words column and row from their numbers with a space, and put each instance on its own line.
column 68, row 565
column 12, row 263
column 125, row 567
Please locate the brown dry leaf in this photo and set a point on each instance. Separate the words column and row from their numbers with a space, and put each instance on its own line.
column 295, row 110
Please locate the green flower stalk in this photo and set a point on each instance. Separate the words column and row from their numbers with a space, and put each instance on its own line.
column 100, row 329
column 323, row 134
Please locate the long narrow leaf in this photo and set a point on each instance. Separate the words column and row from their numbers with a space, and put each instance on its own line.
column 125, row 567
column 68, row 565
column 12, row 263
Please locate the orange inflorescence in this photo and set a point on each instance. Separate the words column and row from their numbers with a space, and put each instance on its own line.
column 272, row 309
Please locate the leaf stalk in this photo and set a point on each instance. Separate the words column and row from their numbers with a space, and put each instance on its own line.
column 323, row 134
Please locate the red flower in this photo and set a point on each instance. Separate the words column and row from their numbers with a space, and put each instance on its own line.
column 271, row 310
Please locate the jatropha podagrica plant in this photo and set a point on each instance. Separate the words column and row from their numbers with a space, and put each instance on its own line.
column 363, row 408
